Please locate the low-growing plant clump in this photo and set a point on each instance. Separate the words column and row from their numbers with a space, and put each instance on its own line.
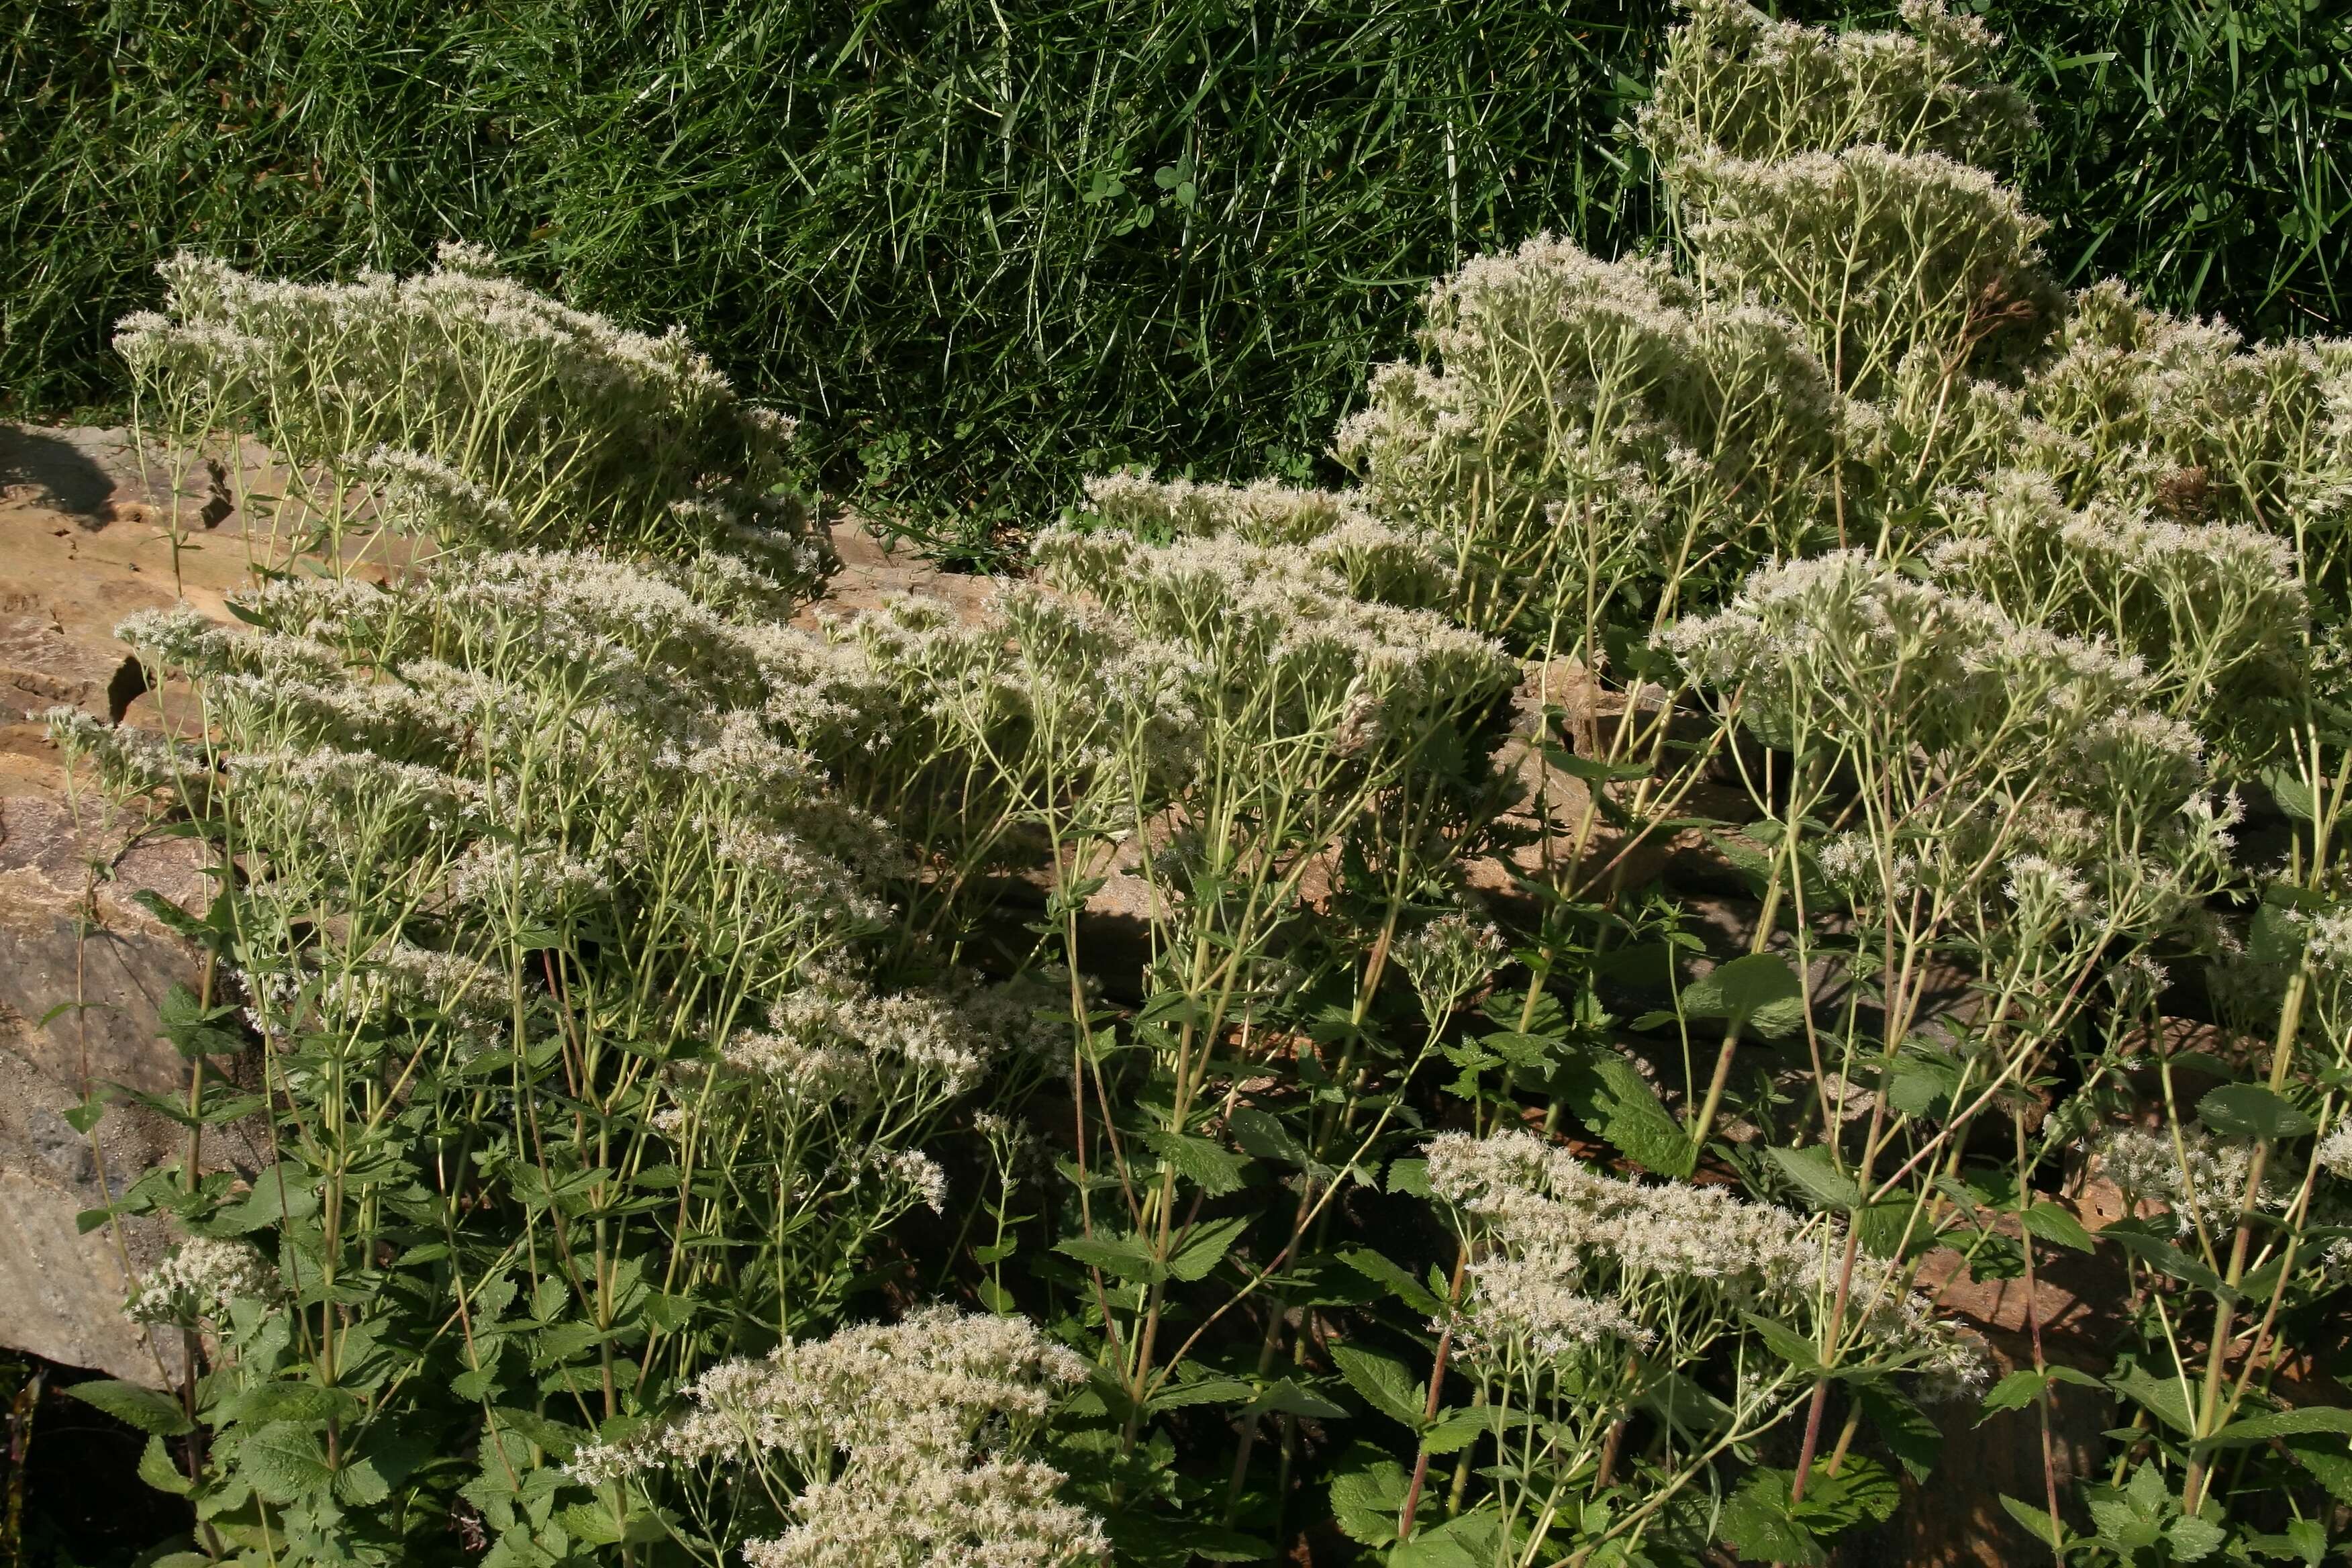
column 1218, row 1056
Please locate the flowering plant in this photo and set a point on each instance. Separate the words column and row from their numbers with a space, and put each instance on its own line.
column 1499, row 1016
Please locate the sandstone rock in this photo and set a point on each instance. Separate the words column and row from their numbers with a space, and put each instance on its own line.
column 83, row 966
column 874, row 570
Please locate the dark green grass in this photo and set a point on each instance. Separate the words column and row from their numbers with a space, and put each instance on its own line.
column 986, row 248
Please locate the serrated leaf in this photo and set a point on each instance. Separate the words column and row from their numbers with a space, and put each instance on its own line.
column 156, row 1469
column 2250, row 1110
column 2307, row 1421
column 1742, row 988
column 1212, row 1170
column 1756, row 1519
column 2193, row 1539
column 1468, row 1542
column 1385, row 1382
column 1366, row 1500
column 2039, row 1524
column 2154, row 1250
column 1206, row 1248
column 2294, row 796
column 1785, row 1343
column 1287, row 1396
column 1201, row 1391
column 2053, row 1223
column 145, row 1408
column 1918, row 1085
column 2326, row 1461
column 1409, row 1178
column 550, row 1436
column 1683, row 1403
column 1124, row 1257
column 1399, row 1280
column 283, row 1192
column 1609, row 1094
column 1457, row 1429
column 1813, row 1172
column 1262, row 1133
column 1862, row 1492
column 2162, row 1396
column 591, row 1523
column 1909, row 1435
column 284, row 1463
column 2014, row 1392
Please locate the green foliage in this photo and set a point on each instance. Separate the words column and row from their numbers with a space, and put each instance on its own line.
column 589, row 929
column 985, row 249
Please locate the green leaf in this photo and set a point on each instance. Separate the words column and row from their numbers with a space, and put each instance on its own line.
column 2250, row 1110
column 1261, row 1133
column 1684, row 1404
column 551, row 1437
column 156, row 1469
column 2043, row 1528
column 1912, row 1438
column 1208, row 1167
column 285, row 1463
column 1468, row 1542
column 2294, row 796
column 1399, row 1280
column 1201, row 1391
column 1609, row 1094
column 1457, row 1429
column 193, row 1028
column 2328, row 1462
column 1756, row 1519
column 1124, row 1257
column 2053, row 1223
column 1287, row 1396
column 1813, row 1172
column 2162, row 1396
column 591, row 1523
column 2135, row 1237
column 1920, row 1086
column 85, row 1116
column 1385, row 1382
column 1206, row 1248
column 283, row 1192
column 1744, row 988
column 2307, row 1421
column 145, row 1408
column 1591, row 771
column 2015, row 1392
column 268, row 1402
column 1890, row 1223
column 360, row 1484
column 1367, row 1498
column 1785, row 1343
column 2193, row 1539
column 1863, row 1491
column 1409, row 1178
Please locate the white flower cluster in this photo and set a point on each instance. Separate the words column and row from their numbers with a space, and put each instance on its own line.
column 473, row 408
column 1449, row 958
column 199, row 1279
column 1577, row 1257
column 2200, row 1181
column 1537, row 1196
column 1000, row 1513
column 899, row 1444
column 1759, row 87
